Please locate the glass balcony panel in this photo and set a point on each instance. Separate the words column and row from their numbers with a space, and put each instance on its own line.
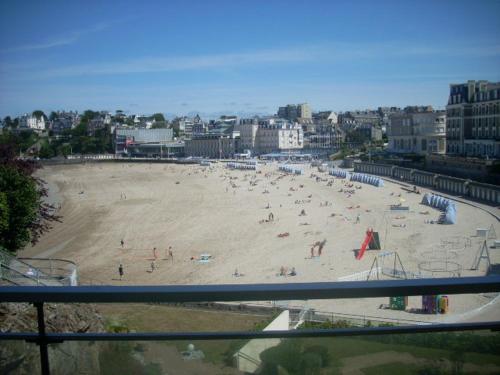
column 427, row 353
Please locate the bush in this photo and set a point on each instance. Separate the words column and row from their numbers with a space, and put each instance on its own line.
column 322, row 352
column 310, row 363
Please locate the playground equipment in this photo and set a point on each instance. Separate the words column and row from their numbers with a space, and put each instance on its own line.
column 339, row 173
column 396, row 271
column 367, row 179
column 448, row 207
column 290, row 169
column 372, row 241
column 441, row 268
column 398, row 303
column 492, row 234
column 233, row 165
column 435, row 304
column 482, row 253
column 489, row 233
column 455, row 243
column 379, row 269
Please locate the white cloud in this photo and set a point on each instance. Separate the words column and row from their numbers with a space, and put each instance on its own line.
column 326, row 53
column 167, row 64
column 70, row 38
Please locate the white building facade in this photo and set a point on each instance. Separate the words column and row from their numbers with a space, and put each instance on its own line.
column 32, row 122
column 270, row 135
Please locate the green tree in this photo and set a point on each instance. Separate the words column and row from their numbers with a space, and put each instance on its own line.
column 159, row 117
column 4, row 213
column 7, row 121
column 19, row 142
column 22, row 201
column 23, row 214
column 64, row 150
column 53, row 116
column 39, row 114
column 46, row 152
column 160, row 125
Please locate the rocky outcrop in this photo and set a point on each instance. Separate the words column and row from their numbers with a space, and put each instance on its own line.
column 71, row 357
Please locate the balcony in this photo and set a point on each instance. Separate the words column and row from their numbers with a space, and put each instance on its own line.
column 340, row 347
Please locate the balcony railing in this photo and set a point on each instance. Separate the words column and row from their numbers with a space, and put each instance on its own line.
column 38, row 295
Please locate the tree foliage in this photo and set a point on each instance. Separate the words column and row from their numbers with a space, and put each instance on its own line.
column 23, row 214
column 46, row 152
column 39, row 114
column 294, row 358
column 20, row 142
column 159, row 117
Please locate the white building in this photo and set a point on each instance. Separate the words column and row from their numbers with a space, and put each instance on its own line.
column 32, row 122
column 270, row 134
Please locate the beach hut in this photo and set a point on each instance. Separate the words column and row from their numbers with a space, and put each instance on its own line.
column 426, row 199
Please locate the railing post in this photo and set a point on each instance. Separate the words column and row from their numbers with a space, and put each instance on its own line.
column 42, row 340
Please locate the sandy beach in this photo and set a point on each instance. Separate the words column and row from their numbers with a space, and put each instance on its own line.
column 225, row 213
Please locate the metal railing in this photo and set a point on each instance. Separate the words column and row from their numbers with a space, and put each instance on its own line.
column 38, row 295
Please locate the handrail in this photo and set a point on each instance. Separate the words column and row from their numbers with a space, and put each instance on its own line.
column 20, row 275
column 38, row 295
column 247, row 335
column 250, row 292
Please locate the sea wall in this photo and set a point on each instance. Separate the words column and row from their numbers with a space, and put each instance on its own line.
column 452, row 185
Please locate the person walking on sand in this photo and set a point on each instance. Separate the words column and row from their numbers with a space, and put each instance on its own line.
column 312, row 252
column 122, row 242
column 155, row 255
column 171, row 254
column 152, row 266
column 120, row 271
column 358, row 219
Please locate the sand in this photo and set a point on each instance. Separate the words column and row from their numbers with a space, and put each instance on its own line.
column 197, row 210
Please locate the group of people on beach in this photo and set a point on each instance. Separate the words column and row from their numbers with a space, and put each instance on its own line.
column 169, row 255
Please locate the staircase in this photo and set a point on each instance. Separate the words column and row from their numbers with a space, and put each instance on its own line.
column 16, row 272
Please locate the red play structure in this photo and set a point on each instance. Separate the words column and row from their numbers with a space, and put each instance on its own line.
column 371, row 240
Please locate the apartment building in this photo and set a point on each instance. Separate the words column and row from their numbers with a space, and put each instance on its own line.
column 296, row 112
column 473, row 119
column 270, row 134
column 418, row 130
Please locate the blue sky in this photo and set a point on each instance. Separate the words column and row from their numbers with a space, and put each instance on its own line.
column 241, row 56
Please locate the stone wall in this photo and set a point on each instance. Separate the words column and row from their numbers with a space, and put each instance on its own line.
column 452, row 185
column 71, row 357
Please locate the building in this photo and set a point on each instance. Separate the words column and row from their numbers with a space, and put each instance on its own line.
column 270, row 134
column 329, row 117
column 64, row 121
column 32, row 122
column 95, row 125
column 125, row 137
column 364, row 132
column 248, row 134
column 156, row 150
column 417, row 130
column 473, row 119
column 275, row 135
column 352, row 118
column 213, row 146
column 296, row 112
column 187, row 125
